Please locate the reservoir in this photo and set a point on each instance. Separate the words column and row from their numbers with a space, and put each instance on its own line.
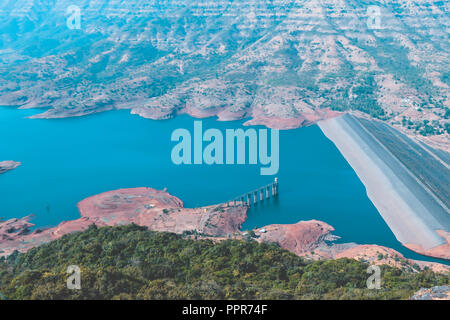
column 66, row 160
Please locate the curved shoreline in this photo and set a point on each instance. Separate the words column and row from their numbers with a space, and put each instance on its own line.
column 159, row 211
column 435, row 249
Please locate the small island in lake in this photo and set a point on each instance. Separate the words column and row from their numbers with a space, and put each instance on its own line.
column 8, row 165
column 160, row 211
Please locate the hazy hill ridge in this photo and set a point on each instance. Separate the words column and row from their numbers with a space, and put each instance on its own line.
column 279, row 62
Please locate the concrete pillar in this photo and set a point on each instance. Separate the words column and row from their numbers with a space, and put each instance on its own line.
column 255, row 197
column 267, row 192
column 249, row 199
column 261, row 194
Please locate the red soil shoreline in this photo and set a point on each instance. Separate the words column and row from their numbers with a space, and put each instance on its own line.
column 160, row 211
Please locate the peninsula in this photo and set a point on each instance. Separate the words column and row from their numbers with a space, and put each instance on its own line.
column 283, row 65
column 159, row 211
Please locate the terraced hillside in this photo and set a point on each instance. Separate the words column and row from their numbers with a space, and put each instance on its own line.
column 407, row 183
column 280, row 62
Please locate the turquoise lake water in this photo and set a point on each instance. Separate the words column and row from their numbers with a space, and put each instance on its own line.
column 67, row 160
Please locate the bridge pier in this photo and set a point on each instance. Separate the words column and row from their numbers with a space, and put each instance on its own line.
column 275, row 187
column 246, row 199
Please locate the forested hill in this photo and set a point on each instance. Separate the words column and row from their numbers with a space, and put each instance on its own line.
column 130, row 262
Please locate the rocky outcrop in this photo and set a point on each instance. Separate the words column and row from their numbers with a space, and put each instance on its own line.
column 434, row 293
column 301, row 238
column 314, row 240
column 160, row 211
column 8, row 165
column 155, row 209
column 14, row 229
column 379, row 255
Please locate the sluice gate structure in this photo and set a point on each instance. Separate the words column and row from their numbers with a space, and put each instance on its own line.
column 247, row 199
column 255, row 196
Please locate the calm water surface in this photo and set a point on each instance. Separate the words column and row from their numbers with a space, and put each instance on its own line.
column 67, row 160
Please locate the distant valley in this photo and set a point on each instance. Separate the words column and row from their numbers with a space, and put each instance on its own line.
column 283, row 64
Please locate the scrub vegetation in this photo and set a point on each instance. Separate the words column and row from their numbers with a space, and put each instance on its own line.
column 131, row 262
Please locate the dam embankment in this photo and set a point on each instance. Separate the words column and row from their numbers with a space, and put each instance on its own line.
column 405, row 183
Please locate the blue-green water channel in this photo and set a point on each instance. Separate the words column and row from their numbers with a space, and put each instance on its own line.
column 67, row 160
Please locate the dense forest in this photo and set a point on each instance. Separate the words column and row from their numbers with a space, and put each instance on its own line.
column 131, row 262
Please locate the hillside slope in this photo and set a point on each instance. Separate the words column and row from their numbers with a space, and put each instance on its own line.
column 130, row 262
column 282, row 63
